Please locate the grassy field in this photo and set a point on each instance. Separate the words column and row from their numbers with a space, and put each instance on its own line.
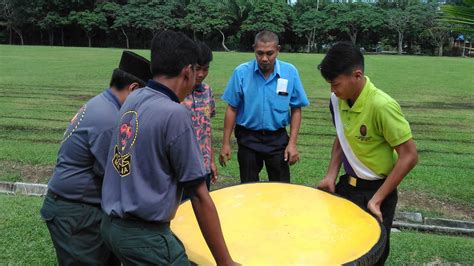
column 41, row 88
column 25, row 239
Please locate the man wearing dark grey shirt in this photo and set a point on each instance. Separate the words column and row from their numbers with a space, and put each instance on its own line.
column 154, row 155
column 72, row 208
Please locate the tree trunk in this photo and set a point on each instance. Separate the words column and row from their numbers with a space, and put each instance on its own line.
column 400, row 42
column 41, row 37
column 308, row 47
column 11, row 35
column 353, row 36
column 313, row 43
column 51, row 37
column 19, row 35
column 440, row 49
column 62, row 36
column 223, row 42
column 126, row 37
column 90, row 41
column 194, row 35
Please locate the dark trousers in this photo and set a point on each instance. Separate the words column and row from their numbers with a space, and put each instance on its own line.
column 361, row 196
column 251, row 163
column 257, row 148
column 143, row 243
column 75, row 232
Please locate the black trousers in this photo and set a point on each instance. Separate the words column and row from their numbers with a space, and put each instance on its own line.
column 361, row 195
column 260, row 147
column 251, row 163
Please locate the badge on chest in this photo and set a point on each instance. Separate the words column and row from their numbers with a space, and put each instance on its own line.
column 363, row 133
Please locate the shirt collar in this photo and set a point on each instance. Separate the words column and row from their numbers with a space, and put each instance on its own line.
column 276, row 69
column 358, row 106
column 200, row 87
column 163, row 89
column 112, row 98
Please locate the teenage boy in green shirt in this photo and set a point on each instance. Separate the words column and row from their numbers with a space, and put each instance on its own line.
column 374, row 141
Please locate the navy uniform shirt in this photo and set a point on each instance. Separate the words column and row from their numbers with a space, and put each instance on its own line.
column 83, row 153
column 153, row 155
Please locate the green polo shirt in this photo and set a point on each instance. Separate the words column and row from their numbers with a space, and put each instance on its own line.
column 373, row 126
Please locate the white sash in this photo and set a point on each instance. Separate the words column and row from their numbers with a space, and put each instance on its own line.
column 360, row 169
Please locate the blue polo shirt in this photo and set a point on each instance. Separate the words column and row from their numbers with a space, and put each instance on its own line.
column 154, row 154
column 83, row 153
column 259, row 106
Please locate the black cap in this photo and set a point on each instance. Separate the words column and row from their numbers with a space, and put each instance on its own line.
column 135, row 65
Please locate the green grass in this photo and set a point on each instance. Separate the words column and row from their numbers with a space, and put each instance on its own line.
column 41, row 88
column 408, row 248
column 25, row 239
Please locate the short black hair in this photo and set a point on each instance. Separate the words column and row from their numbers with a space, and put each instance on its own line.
column 204, row 54
column 121, row 79
column 342, row 58
column 170, row 52
column 266, row 36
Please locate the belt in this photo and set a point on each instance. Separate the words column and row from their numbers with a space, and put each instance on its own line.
column 362, row 183
column 261, row 132
column 132, row 221
column 55, row 196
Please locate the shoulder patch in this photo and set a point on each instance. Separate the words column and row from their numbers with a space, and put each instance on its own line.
column 75, row 122
column 127, row 136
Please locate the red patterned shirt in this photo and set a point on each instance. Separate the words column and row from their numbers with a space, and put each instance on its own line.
column 202, row 106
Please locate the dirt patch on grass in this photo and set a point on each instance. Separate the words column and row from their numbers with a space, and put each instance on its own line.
column 27, row 173
column 418, row 201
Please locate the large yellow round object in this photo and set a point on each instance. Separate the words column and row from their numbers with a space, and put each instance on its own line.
column 283, row 224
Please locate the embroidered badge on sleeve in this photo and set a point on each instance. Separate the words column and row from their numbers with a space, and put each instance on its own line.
column 74, row 124
column 127, row 136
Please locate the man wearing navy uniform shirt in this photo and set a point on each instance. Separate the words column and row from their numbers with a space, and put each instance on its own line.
column 154, row 155
column 71, row 208
column 263, row 96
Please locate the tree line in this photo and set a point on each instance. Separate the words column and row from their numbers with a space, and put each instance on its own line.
column 404, row 26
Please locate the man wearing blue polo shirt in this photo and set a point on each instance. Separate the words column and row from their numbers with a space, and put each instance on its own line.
column 263, row 96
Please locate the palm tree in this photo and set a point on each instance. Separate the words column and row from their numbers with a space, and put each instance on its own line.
column 462, row 15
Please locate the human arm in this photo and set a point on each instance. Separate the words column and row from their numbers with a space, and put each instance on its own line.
column 291, row 152
column 208, row 220
column 215, row 171
column 212, row 105
column 99, row 148
column 407, row 159
column 229, row 121
column 297, row 101
column 329, row 181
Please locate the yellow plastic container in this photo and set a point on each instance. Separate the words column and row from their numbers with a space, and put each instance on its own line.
column 284, row 224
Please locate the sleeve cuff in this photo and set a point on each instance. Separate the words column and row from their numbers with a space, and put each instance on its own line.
column 401, row 140
column 194, row 182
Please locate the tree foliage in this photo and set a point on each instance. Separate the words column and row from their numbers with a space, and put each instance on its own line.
column 267, row 15
column 304, row 25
